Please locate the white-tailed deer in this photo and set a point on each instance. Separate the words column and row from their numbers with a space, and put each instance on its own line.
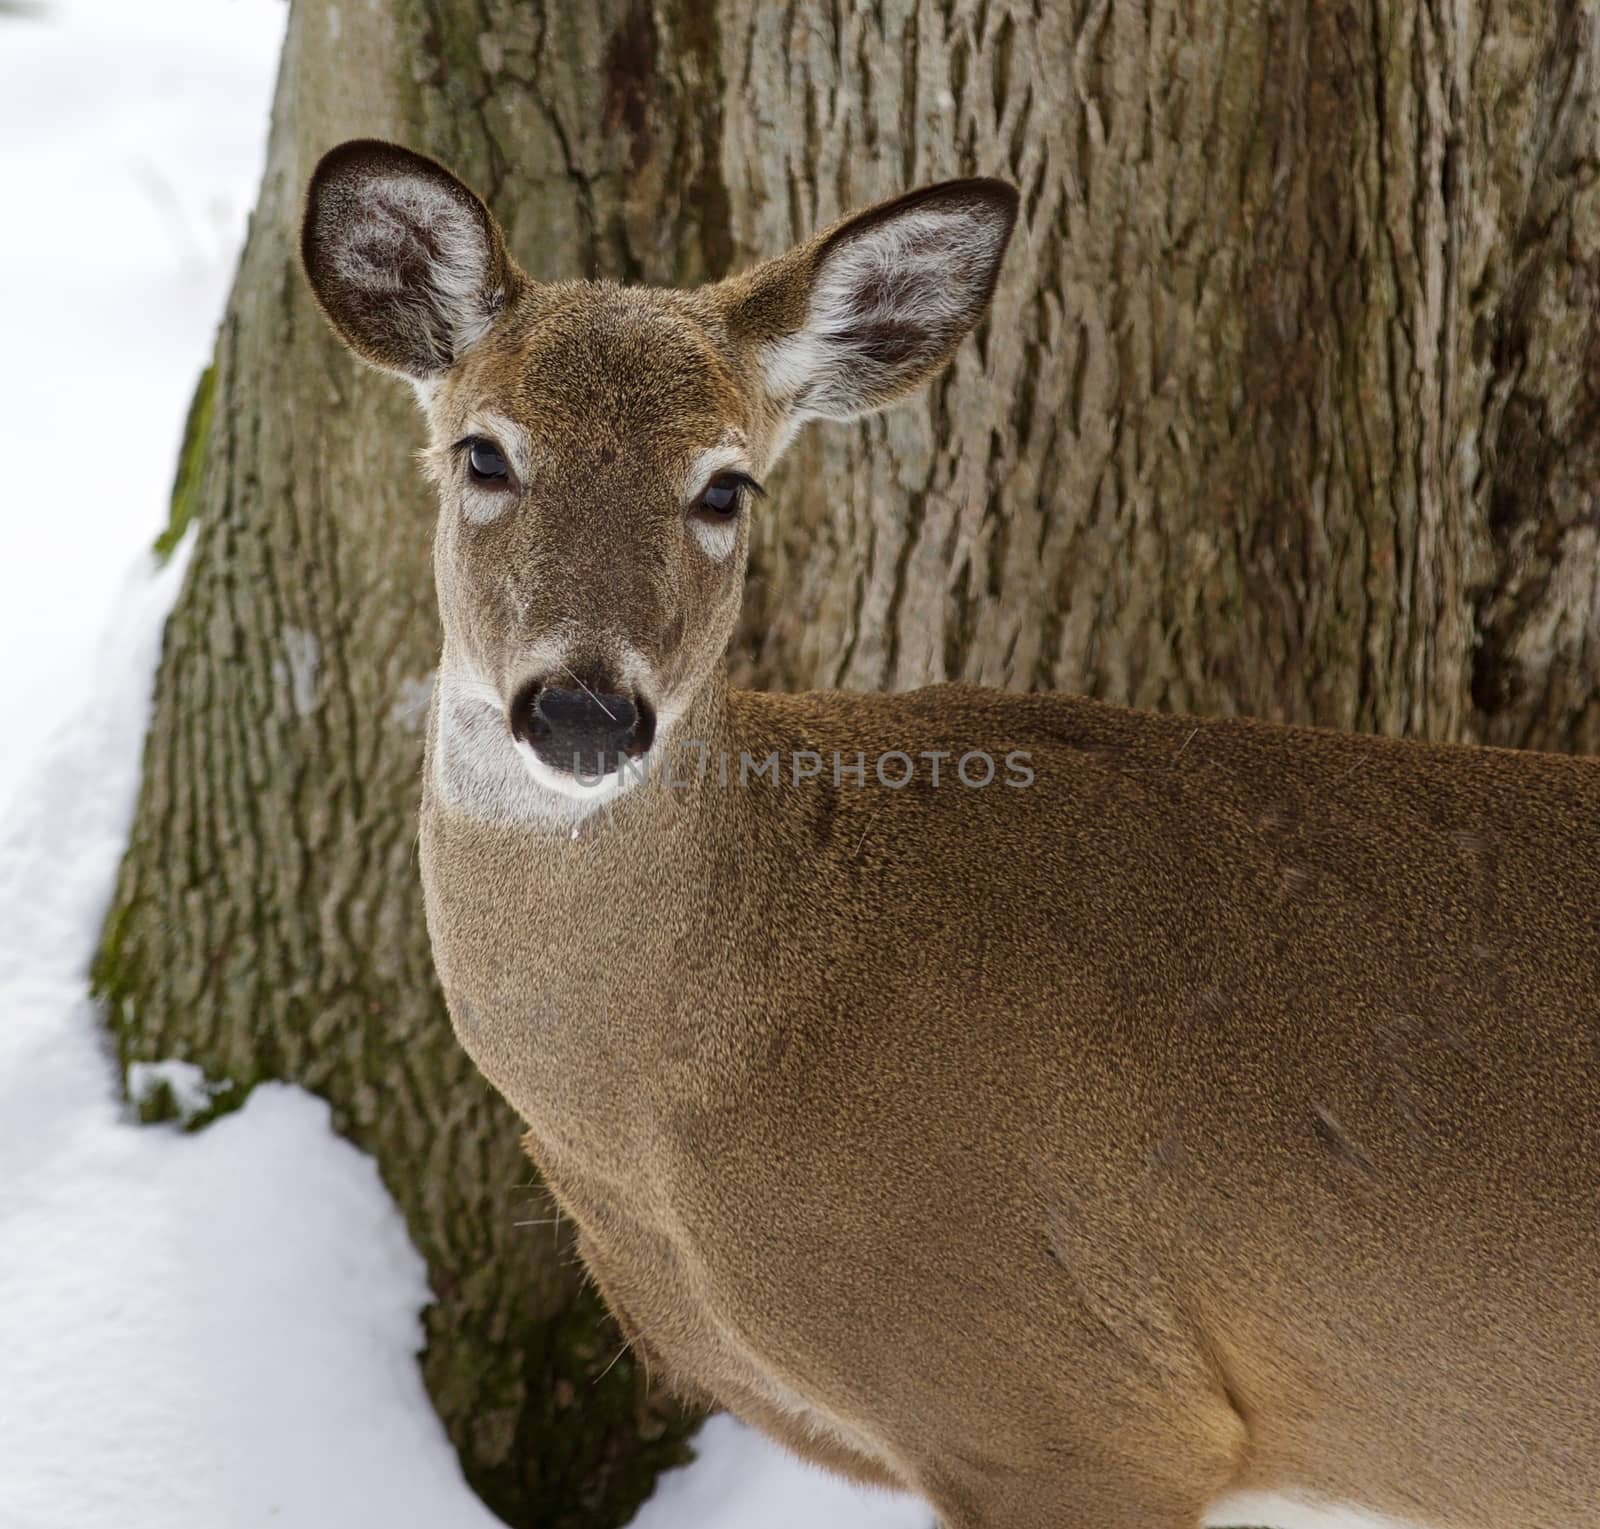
column 1077, row 1116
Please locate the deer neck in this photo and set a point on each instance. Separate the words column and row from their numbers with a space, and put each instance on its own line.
column 551, row 928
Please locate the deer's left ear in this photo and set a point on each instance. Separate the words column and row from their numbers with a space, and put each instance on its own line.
column 874, row 306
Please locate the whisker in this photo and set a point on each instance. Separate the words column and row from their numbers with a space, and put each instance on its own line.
column 610, row 1367
column 592, row 696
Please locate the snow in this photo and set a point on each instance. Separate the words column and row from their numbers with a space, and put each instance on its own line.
column 741, row 1481
column 133, row 138
column 190, row 1091
column 206, row 1330
column 218, row 1329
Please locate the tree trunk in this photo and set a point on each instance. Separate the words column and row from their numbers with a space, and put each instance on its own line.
column 1289, row 402
column 1289, row 405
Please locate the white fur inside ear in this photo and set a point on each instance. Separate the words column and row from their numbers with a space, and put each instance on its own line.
column 887, row 304
column 409, row 239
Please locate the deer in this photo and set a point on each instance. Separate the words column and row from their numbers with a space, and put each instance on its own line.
column 1116, row 1119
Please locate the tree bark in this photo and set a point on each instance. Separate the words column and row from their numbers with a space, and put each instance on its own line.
column 1289, row 405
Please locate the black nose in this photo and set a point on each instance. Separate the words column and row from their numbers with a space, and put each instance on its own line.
column 588, row 732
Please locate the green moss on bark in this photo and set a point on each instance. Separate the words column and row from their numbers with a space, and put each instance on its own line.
column 186, row 482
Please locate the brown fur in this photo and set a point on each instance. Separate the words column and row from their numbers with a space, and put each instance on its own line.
column 1218, row 1112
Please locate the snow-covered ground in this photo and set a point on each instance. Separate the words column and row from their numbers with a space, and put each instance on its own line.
column 218, row 1330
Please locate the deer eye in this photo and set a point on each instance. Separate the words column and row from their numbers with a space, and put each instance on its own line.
column 721, row 497
column 485, row 463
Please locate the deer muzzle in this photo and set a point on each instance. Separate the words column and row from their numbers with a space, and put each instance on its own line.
column 587, row 732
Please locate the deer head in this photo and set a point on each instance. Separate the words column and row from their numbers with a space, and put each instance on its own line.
column 597, row 448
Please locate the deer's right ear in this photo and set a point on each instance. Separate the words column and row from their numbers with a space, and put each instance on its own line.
column 408, row 264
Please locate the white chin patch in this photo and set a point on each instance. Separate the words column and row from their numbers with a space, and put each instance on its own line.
column 585, row 792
